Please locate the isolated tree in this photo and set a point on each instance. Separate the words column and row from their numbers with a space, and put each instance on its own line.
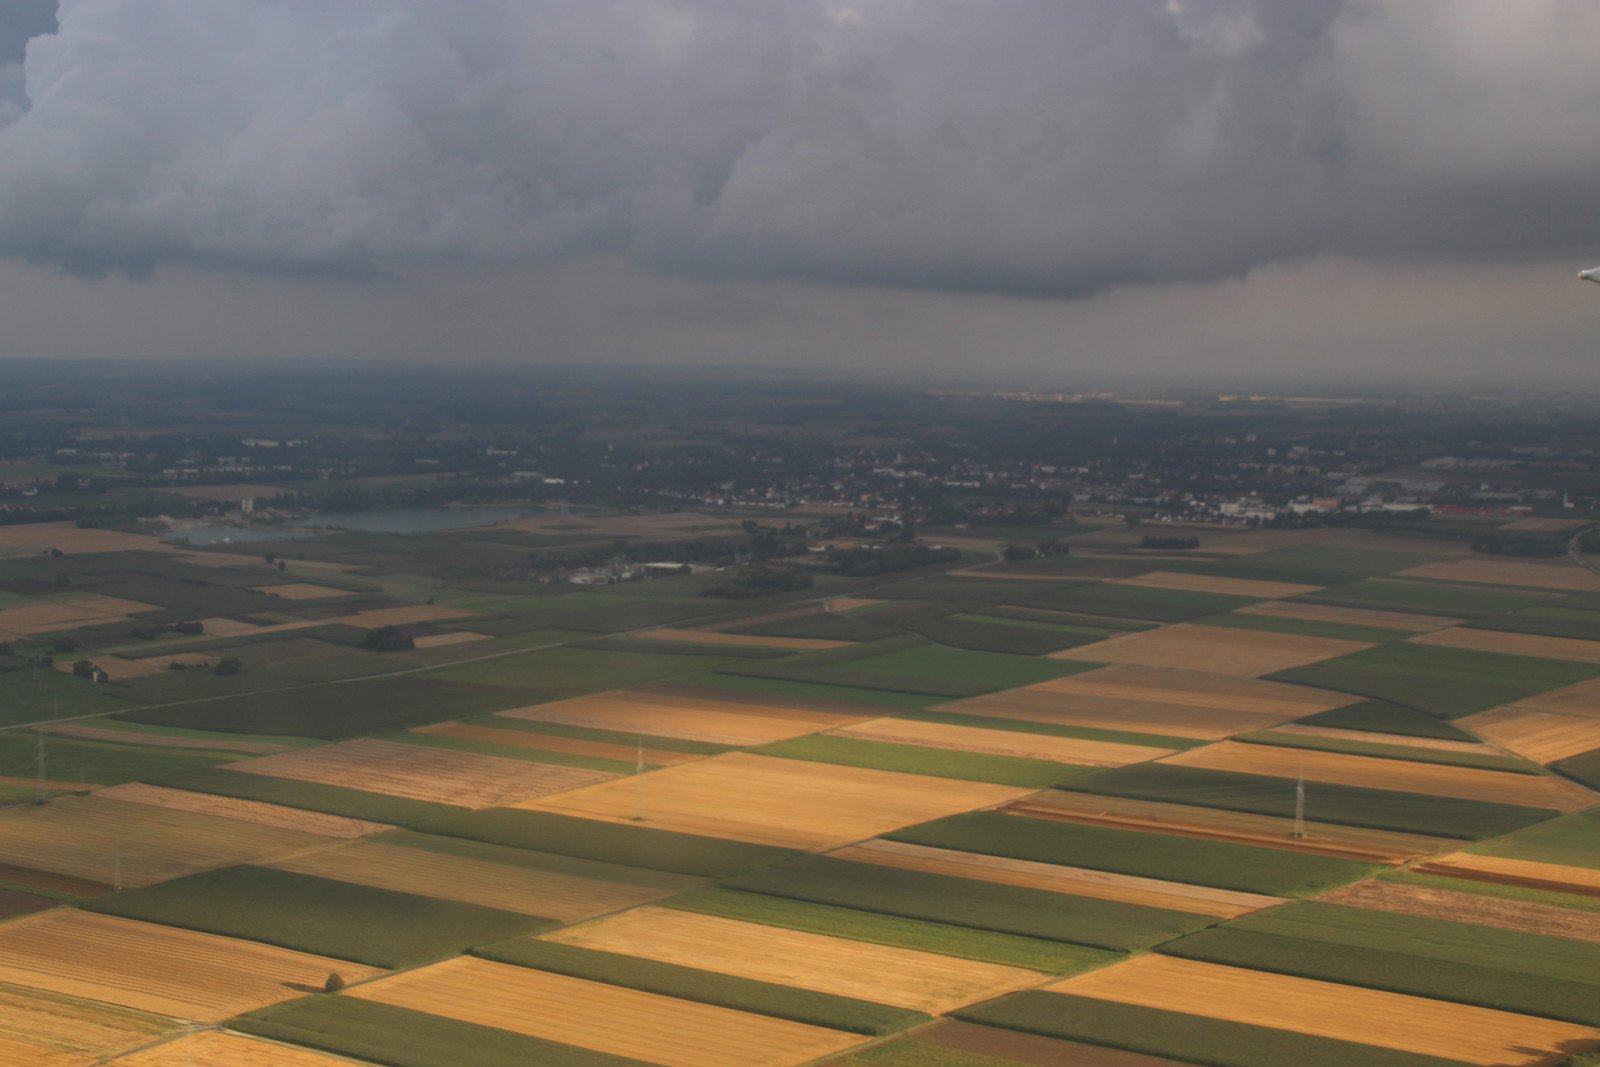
column 228, row 665
column 83, row 669
column 334, row 983
column 1131, row 521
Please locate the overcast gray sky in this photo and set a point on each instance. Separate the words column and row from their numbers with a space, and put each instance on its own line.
column 1031, row 187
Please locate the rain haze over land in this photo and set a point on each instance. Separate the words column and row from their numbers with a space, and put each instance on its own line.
column 1193, row 187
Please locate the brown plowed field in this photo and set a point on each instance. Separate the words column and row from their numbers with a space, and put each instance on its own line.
column 1426, row 901
column 1541, row 736
column 1580, row 699
column 436, row 774
column 158, row 969
column 849, row 603
column 1146, row 699
column 904, row 977
column 607, row 1018
column 1213, row 649
column 1206, row 583
column 714, row 637
column 1556, row 878
column 40, row 1029
column 658, row 757
column 1557, row 574
column 1001, row 742
column 771, row 801
column 1568, row 648
column 1466, row 783
column 81, row 837
column 719, row 722
column 1031, row 1049
column 301, row 591
column 1327, row 839
column 1392, row 620
column 1328, row 1009
column 250, row 811
column 454, row 637
column 1074, row 881
column 553, row 894
column 222, row 1048
column 13, row 903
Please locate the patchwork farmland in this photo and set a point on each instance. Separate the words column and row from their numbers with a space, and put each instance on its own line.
column 1133, row 810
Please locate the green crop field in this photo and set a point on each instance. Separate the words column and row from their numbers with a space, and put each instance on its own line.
column 587, row 733
column 1220, row 864
column 1186, row 1038
column 379, row 927
column 1508, row 970
column 1320, row 564
column 1373, row 635
column 1016, row 637
column 549, row 862
column 1428, row 598
column 1584, row 768
column 1448, row 682
column 575, row 669
column 101, row 762
column 910, row 1052
column 1136, row 602
column 350, row 709
column 310, row 796
column 707, row 987
column 822, row 625
column 793, row 689
column 934, row 762
column 1047, row 617
column 967, row 902
column 925, row 668
column 962, row 590
column 517, row 752
column 1383, row 717
column 987, row 946
column 635, row 846
column 1049, row 729
column 1571, row 841
column 1347, row 805
column 1486, row 760
column 1549, row 621
column 399, row 1037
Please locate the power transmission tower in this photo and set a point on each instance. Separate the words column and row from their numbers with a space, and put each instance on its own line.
column 638, row 783
column 1300, row 805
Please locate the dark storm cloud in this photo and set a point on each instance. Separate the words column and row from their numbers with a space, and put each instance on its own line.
column 1010, row 146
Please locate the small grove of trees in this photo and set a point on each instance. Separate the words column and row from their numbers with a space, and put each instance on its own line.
column 83, row 669
column 1500, row 544
column 1039, row 550
column 388, row 639
column 760, row 581
column 228, row 665
column 192, row 628
column 1151, row 541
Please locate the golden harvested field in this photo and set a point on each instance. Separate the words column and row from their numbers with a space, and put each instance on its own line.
column 906, row 978
column 771, row 801
column 849, row 603
column 83, row 837
column 40, row 1029
column 1075, row 881
column 607, row 1018
column 1569, row 648
column 714, row 637
column 1542, row 736
column 28, row 539
column 453, row 637
column 1205, row 583
column 551, row 743
column 1477, row 908
column 1213, row 649
column 1215, row 824
column 1466, row 783
column 223, row 1048
column 1392, row 620
column 1557, row 574
column 159, row 969
column 250, row 811
column 1530, row 874
column 421, row 773
column 45, row 618
column 554, row 894
column 721, row 722
column 1001, row 742
column 300, row 591
column 1328, row 1009
column 1581, row 699
column 1171, row 702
